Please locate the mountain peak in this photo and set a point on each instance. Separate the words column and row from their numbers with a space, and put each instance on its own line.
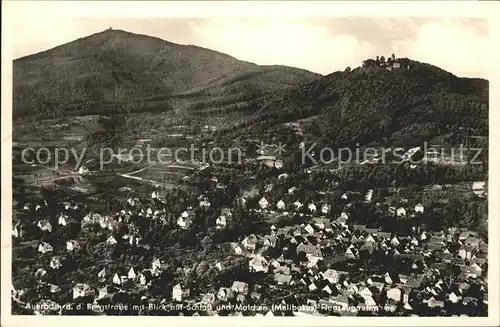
column 117, row 66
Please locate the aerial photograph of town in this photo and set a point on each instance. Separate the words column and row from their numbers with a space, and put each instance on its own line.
column 199, row 167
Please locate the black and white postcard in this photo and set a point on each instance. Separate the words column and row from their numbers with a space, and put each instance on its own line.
column 250, row 163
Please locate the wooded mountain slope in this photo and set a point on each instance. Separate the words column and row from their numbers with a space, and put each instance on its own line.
column 117, row 72
column 402, row 106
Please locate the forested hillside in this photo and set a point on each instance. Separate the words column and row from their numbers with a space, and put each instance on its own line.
column 398, row 107
column 119, row 72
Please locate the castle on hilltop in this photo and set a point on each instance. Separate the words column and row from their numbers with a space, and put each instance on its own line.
column 390, row 63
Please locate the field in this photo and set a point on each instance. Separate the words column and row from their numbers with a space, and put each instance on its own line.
column 56, row 131
column 161, row 172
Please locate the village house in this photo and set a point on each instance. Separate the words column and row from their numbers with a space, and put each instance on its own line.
column 258, row 263
column 224, row 294
column 267, row 160
column 282, row 176
column 72, row 245
column 281, row 279
column 280, row 205
column 45, row 247
column 63, row 220
column 309, row 229
column 394, row 294
column 220, row 222
column 208, row 299
column 472, row 271
column 55, row 263
column 89, row 218
column 309, row 250
column 131, row 274
column 465, row 252
column 45, row 225
column 325, row 209
column 419, row 208
column 179, row 293
column 82, row 290
column 226, row 212
column 453, row 298
column 350, row 252
column 132, row 202
column 184, row 221
column 479, row 188
column 321, row 223
column 102, row 274
column 116, row 279
column 156, row 265
column 133, row 239
column 250, row 242
column 242, row 201
column 465, row 234
column 269, row 240
column 111, row 240
column 40, row 272
column 236, row 248
column 368, row 196
column 255, row 296
column 365, row 292
column 54, row 288
column 240, row 287
column 106, row 222
column 145, row 277
column 331, row 275
column 102, row 293
column 251, row 193
column 17, row 231
column 205, row 203
column 263, row 203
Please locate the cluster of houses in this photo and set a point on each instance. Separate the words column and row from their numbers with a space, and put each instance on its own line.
column 307, row 263
column 311, row 240
column 321, row 264
column 318, row 209
column 314, row 281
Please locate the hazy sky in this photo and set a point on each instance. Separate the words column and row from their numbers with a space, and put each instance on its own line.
column 322, row 45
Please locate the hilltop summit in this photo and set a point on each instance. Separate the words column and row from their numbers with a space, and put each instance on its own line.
column 374, row 104
column 95, row 73
column 117, row 72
